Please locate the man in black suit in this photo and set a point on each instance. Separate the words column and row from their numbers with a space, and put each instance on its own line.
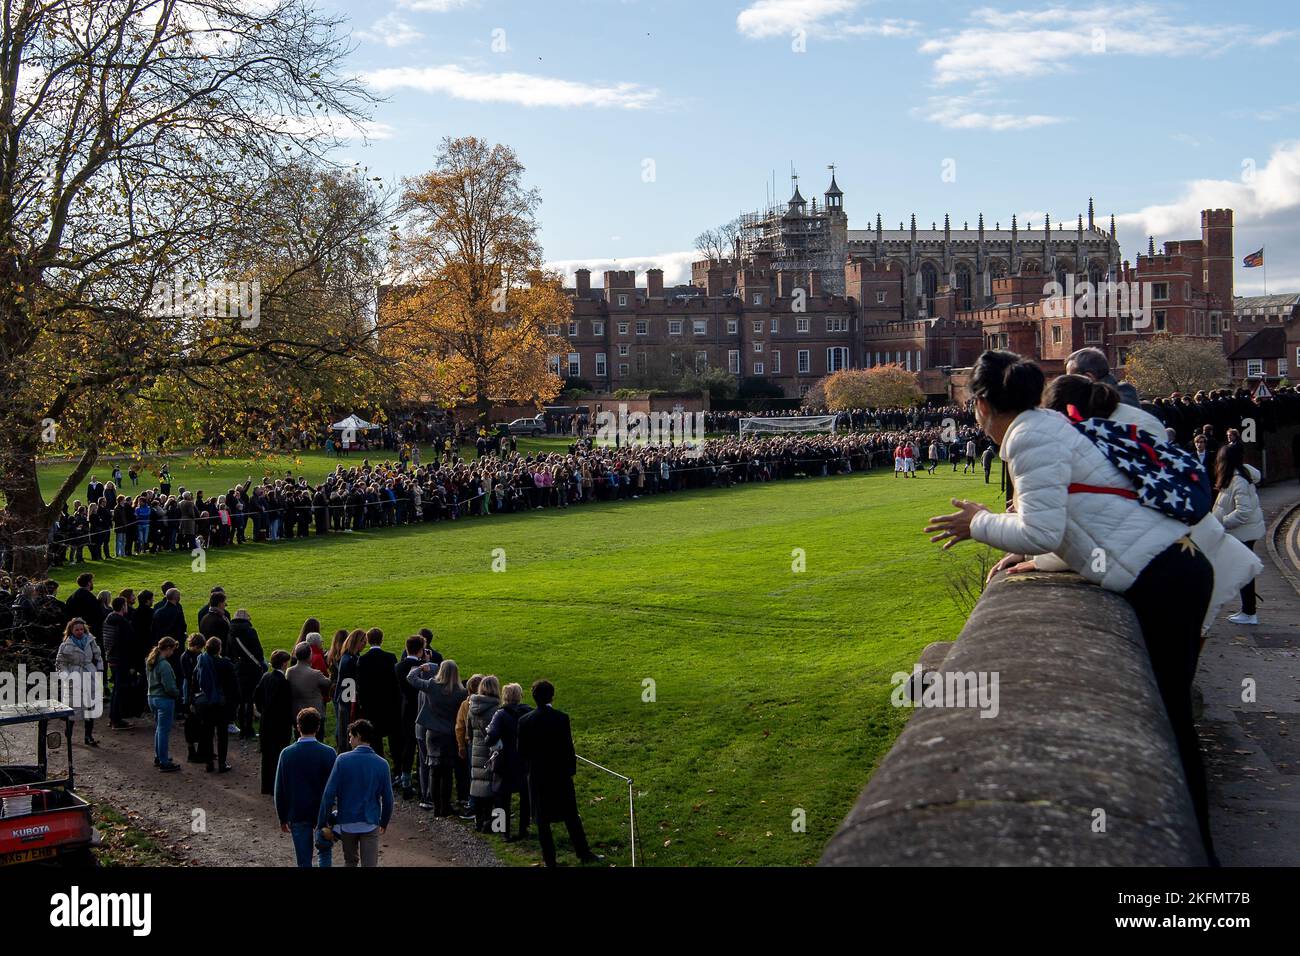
column 417, row 652
column 378, row 695
column 94, row 490
column 546, row 748
column 84, row 604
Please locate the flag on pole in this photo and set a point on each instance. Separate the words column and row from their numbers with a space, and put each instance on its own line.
column 1254, row 260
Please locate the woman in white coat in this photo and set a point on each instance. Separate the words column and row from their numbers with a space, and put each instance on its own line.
column 80, row 664
column 1075, row 510
column 1237, row 507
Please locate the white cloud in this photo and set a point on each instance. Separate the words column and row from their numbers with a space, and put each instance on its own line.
column 825, row 19
column 1015, row 44
column 1272, row 190
column 390, row 30
column 336, row 127
column 1266, row 211
column 958, row 112
column 676, row 266
column 434, row 6
column 523, row 89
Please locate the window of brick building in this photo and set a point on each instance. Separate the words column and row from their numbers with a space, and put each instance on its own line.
column 776, row 362
column 758, row 298
column 1254, row 368
column 1214, row 323
column 622, row 300
column 801, row 324
column 1159, row 318
column 1160, row 291
column 758, row 346
column 600, row 365
column 701, row 361
column 573, row 328
column 757, row 326
column 622, row 369
column 700, row 326
column 733, row 361
column 1125, row 323
column 837, row 357
column 1056, row 335
column 776, row 325
column 642, row 327
column 575, row 365
column 622, row 328
column 732, row 326
column 1092, row 333
column 805, row 361
column 880, row 298
column 598, row 328
column 837, row 323
column 758, row 368
column 803, row 390
column 640, row 363
column 624, row 350
column 674, row 326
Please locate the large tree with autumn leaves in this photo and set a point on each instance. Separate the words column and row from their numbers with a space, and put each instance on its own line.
column 472, row 318
column 149, row 142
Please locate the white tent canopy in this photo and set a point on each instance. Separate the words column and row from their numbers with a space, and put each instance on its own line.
column 352, row 423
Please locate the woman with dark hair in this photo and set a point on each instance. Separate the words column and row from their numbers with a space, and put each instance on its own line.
column 345, row 687
column 1071, row 505
column 1237, row 507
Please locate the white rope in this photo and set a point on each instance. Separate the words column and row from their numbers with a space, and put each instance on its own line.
column 631, row 804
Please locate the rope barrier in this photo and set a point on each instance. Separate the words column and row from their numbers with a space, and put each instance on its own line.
column 631, row 801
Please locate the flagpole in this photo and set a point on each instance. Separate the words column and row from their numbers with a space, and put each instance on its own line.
column 1265, row 264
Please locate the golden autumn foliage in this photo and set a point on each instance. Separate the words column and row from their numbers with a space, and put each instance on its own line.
column 881, row 386
column 470, row 320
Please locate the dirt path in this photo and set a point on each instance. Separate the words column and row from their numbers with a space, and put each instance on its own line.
column 224, row 819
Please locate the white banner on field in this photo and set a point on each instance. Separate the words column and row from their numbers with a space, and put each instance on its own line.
column 787, row 424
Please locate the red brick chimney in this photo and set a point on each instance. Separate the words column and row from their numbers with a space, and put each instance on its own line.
column 582, row 280
column 654, row 283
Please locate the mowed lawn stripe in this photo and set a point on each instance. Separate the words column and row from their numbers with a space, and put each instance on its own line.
column 771, row 688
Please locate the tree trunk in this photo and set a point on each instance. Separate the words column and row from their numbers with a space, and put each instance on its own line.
column 25, row 521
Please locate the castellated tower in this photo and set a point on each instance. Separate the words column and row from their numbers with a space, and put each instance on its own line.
column 1217, row 262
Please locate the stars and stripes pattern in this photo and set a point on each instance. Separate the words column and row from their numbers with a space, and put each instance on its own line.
column 1163, row 476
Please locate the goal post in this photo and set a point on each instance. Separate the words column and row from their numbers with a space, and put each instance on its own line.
column 787, row 425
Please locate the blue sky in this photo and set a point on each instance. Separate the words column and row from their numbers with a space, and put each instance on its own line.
column 643, row 122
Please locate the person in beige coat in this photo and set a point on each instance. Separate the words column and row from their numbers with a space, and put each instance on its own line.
column 1237, row 508
column 80, row 666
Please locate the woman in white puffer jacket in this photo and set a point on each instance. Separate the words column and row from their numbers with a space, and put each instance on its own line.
column 1074, row 509
column 1237, row 508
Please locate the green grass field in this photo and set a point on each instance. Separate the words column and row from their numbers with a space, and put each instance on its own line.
column 770, row 687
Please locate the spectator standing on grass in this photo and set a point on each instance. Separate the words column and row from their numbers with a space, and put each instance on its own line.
column 273, row 701
column 163, row 695
column 361, row 788
column 546, row 748
column 250, row 664
column 378, row 695
column 988, row 463
column 301, row 773
column 80, row 663
column 482, row 706
column 408, row 713
column 84, row 603
column 308, row 687
column 345, row 686
column 508, row 777
column 463, row 794
column 1237, row 507
column 1160, row 565
column 189, row 660
column 119, row 652
column 216, row 689
column 441, row 695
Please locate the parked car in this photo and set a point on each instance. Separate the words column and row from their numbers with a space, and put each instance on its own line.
column 527, row 426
